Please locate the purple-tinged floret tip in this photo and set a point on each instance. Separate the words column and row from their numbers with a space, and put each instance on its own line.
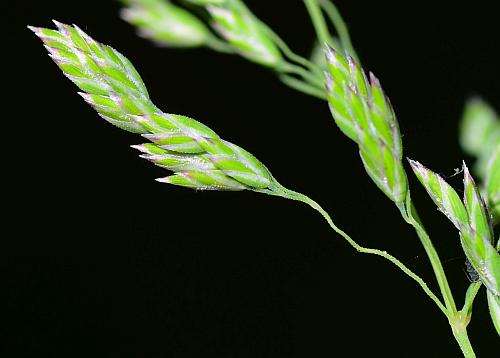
column 467, row 175
column 86, row 97
column 61, row 26
column 79, row 30
column 51, row 49
column 330, row 54
column 351, row 61
column 36, row 30
column 329, row 49
column 374, row 80
column 163, row 180
column 415, row 164
column 153, row 137
column 150, row 158
column 139, row 147
column 56, row 59
column 83, row 34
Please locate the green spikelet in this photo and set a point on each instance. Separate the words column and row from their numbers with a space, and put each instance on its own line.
column 483, row 255
column 238, row 26
column 165, row 23
column 194, row 152
column 471, row 218
column 363, row 113
column 443, row 195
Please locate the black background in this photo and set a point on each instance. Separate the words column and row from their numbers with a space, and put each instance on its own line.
column 102, row 261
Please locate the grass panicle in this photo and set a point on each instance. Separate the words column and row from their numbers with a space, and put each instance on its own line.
column 199, row 158
column 364, row 114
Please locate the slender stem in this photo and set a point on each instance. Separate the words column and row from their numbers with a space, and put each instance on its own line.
column 306, row 75
column 288, row 52
column 318, row 21
column 458, row 319
column 340, row 26
column 411, row 217
column 303, row 87
column 289, row 194
column 459, row 328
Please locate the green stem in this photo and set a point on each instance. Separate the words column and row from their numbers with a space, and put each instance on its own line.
column 289, row 194
column 459, row 328
column 458, row 320
column 303, row 87
column 318, row 21
column 340, row 26
column 410, row 215
column 314, row 80
column 289, row 53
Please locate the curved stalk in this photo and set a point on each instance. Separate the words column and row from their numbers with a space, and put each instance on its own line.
column 289, row 194
column 458, row 320
column 314, row 80
column 287, row 51
column 302, row 86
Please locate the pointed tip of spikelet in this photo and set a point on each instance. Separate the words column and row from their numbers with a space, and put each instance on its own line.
column 165, row 180
column 85, row 96
column 34, row 29
column 467, row 174
column 139, row 147
column 58, row 24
